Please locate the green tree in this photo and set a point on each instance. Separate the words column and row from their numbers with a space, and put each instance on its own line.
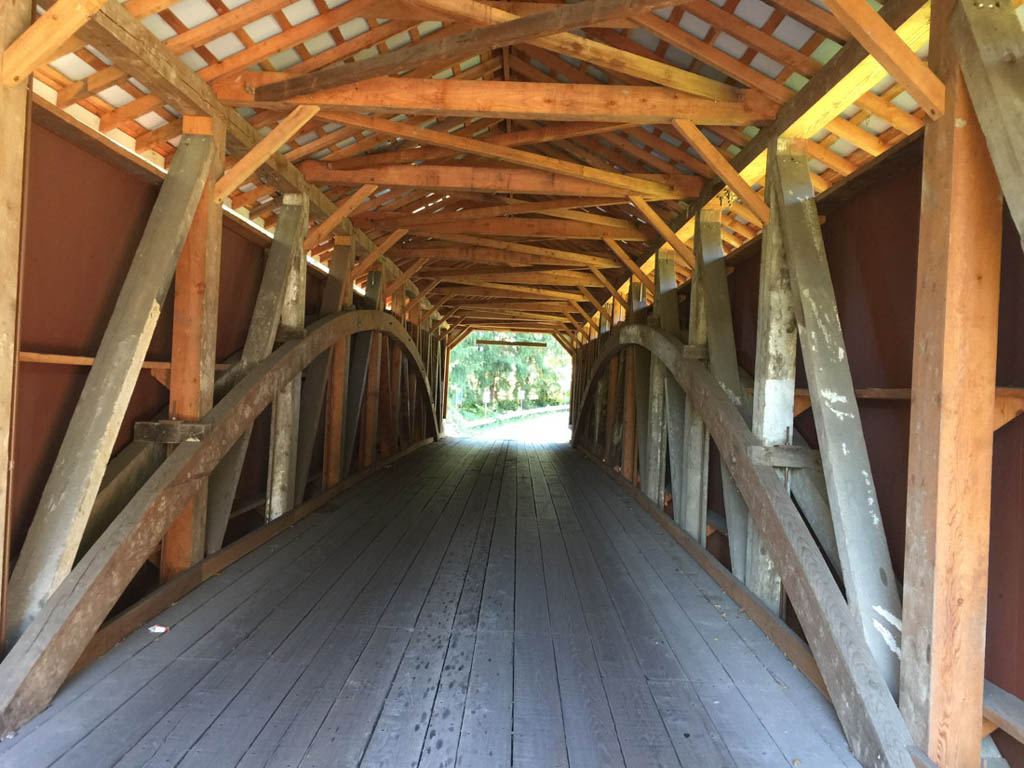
column 543, row 373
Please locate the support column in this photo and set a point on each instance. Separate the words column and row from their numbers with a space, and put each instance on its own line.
column 194, row 347
column 611, row 418
column 371, row 399
column 666, row 313
column 342, row 261
column 950, row 468
column 395, row 383
column 724, row 367
column 642, row 383
column 774, row 389
column 629, row 404
column 284, row 419
column 358, row 362
column 15, row 18
column 696, row 442
column 600, row 403
column 259, row 343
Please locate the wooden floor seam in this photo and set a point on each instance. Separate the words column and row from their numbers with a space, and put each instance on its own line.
column 474, row 604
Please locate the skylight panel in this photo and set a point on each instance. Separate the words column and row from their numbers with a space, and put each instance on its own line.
column 261, row 29
column 793, row 33
column 192, row 13
column 730, row 45
column 754, row 12
column 303, row 10
column 160, row 28
column 225, row 45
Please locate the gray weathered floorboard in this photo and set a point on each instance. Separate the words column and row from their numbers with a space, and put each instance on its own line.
column 477, row 604
column 237, row 645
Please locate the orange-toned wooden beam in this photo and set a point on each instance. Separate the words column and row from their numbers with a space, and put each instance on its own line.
column 949, row 501
column 703, row 146
column 260, row 153
column 376, row 254
column 469, row 178
column 349, row 204
column 638, row 104
column 882, row 42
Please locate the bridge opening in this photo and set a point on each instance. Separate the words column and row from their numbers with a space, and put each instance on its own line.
column 509, row 386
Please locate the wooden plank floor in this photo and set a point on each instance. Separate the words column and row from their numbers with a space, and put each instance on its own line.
column 477, row 604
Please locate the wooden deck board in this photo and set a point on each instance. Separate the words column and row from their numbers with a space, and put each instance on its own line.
column 477, row 604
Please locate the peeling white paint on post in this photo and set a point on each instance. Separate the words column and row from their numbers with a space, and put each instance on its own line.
column 774, row 391
column 652, row 471
column 867, row 568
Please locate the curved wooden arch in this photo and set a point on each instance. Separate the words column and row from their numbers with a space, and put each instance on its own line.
column 869, row 715
column 45, row 654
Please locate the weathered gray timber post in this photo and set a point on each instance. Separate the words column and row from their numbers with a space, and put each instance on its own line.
column 724, row 367
column 56, row 530
column 666, row 316
column 359, row 365
column 284, row 415
column 642, row 383
column 774, row 390
column 441, row 384
column 314, row 389
column 629, row 392
column 696, row 442
column 600, row 405
column 259, row 343
column 652, row 476
column 867, row 568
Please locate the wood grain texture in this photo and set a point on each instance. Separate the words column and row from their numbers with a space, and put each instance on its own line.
column 950, row 464
column 866, row 709
column 41, row 660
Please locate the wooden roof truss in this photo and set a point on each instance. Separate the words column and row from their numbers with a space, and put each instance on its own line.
column 497, row 136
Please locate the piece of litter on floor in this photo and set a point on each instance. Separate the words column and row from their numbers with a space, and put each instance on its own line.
column 158, row 629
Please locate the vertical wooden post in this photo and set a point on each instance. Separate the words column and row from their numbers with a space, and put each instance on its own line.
column 600, row 404
column 642, row 384
column 342, row 261
column 629, row 405
column 950, row 468
column 612, row 411
column 447, row 372
column 371, row 398
column 385, row 408
column 774, row 387
column 653, row 475
column 396, row 385
column 15, row 18
column 259, row 343
column 666, row 312
column 194, row 346
column 696, row 442
column 284, row 426
column 724, row 367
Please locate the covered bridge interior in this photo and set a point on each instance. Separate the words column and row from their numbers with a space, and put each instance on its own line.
column 779, row 239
